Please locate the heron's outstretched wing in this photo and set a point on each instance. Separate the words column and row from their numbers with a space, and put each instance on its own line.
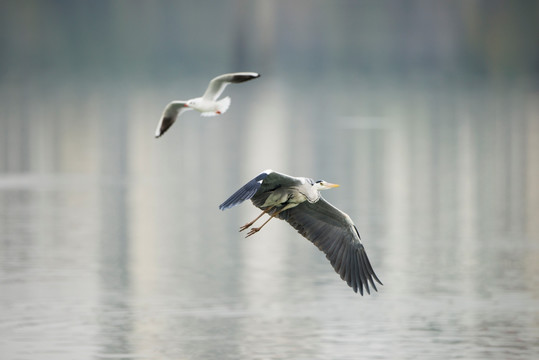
column 245, row 192
column 217, row 84
column 260, row 187
column 170, row 114
column 334, row 233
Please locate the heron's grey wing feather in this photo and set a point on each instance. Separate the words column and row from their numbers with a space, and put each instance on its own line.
column 334, row 233
column 245, row 192
column 169, row 116
column 273, row 181
column 218, row 84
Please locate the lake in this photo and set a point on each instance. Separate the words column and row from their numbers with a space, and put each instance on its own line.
column 112, row 245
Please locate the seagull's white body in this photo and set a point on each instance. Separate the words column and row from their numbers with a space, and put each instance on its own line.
column 207, row 104
column 209, row 107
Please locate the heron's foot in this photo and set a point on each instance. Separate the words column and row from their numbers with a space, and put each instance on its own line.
column 246, row 226
column 253, row 231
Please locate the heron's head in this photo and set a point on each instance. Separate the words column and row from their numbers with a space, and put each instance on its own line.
column 324, row 185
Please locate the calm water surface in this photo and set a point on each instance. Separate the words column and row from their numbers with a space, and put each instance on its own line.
column 112, row 246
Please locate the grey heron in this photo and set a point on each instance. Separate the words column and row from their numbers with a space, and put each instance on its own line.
column 207, row 104
column 297, row 200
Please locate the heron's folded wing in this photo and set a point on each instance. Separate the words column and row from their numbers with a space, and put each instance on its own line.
column 169, row 116
column 245, row 192
column 334, row 233
column 273, row 181
column 218, row 84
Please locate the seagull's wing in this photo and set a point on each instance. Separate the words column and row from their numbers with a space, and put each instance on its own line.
column 334, row 233
column 217, row 85
column 170, row 114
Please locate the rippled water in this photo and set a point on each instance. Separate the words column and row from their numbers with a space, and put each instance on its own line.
column 112, row 246
column 83, row 276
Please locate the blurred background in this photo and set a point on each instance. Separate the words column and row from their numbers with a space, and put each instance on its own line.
column 111, row 242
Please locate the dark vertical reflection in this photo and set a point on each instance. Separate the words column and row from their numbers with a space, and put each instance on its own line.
column 116, row 314
column 16, row 240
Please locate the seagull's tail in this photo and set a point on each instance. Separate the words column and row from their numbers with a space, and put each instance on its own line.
column 223, row 105
column 221, row 108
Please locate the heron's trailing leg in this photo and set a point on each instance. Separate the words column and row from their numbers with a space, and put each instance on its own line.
column 258, row 217
column 255, row 230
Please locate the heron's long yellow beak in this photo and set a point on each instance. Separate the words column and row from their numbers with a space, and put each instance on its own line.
column 330, row 185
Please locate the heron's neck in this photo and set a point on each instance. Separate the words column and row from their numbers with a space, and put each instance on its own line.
column 312, row 195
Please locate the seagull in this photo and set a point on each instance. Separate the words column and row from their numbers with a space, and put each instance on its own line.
column 207, row 104
column 297, row 201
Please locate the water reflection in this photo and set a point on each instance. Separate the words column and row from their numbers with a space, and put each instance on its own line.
column 112, row 244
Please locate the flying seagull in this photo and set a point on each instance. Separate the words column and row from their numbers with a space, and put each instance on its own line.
column 207, row 104
column 297, row 200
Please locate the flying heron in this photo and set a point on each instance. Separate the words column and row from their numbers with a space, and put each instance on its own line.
column 297, row 200
column 207, row 104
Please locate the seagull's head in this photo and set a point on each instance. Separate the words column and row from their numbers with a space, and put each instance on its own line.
column 193, row 103
column 324, row 185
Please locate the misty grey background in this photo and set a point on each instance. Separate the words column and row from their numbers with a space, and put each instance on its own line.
column 111, row 242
